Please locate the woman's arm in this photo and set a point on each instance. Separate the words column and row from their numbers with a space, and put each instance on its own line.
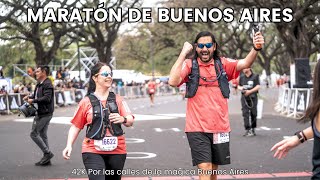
column 72, row 136
column 283, row 147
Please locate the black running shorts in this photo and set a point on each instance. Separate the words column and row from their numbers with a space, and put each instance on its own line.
column 204, row 151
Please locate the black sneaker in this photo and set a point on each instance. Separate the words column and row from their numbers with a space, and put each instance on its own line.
column 247, row 133
column 46, row 158
column 253, row 132
column 40, row 164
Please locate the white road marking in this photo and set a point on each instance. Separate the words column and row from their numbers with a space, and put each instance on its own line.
column 268, row 129
column 54, row 120
column 146, row 155
column 178, row 115
column 134, row 140
column 138, row 117
column 173, row 129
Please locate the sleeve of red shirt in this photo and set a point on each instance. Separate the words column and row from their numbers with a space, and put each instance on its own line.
column 230, row 66
column 79, row 119
column 123, row 107
column 186, row 70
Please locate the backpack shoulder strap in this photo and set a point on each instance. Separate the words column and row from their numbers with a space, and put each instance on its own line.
column 111, row 97
column 115, row 129
column 112, row 103
column 222, row 78
column 93, row 100
column 95, row 127
column 193, row 82
column 217, row 61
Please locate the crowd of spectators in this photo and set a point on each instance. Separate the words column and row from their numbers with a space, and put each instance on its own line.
column 63, row 82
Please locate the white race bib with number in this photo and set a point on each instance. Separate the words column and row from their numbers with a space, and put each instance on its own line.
column 219, row 138
column 106, row 144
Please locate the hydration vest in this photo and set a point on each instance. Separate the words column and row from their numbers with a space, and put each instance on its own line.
column 100, row 118
column 194, row 77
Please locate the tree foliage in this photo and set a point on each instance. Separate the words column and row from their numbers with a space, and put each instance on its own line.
column 283, row 41
column 301, row 36
column 101, row 36
column 45, row 37
column 158, row 44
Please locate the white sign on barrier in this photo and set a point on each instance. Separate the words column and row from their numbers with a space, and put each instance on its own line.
column 302, row 100
column 60, row 99
column 259, row 109
column 295, row 101
column 286, row 101
column 13, row 103
column 2, row 103
column 292, row 100
column 68, row 98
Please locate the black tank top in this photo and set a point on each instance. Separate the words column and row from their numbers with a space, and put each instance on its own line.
column 316, row 152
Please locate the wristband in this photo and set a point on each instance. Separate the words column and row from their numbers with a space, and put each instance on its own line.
column 301, row 139
column 125, row 120
column 256, row 49
column 304, row 136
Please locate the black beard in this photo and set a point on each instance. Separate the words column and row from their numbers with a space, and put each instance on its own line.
column 210, row 57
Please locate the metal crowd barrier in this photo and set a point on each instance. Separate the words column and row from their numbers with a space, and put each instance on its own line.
column 10, row 102
column 139, row 91
column 293, row 102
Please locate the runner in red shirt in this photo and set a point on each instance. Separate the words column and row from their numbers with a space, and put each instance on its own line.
column 207, row 121
column 152, row 90
column 101, row 160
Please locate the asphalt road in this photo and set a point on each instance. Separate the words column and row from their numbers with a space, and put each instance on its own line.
column 157, row 145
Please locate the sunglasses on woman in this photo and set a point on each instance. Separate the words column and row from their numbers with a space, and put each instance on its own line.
column 105, row 74
column 208, row 45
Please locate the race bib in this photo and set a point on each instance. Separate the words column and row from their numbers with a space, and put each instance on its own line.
column 106, row 144
column 219, row 138
column 151, row 90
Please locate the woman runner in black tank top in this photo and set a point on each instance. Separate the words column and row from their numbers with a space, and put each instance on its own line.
column 316, row 152
column 312, row 113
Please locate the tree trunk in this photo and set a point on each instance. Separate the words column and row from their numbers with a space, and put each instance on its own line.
column 108, row 55
column 267, row 67
column 101, row 54
column 45, row 57
column 296, row 41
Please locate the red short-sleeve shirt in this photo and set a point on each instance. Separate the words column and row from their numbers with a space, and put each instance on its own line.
column 152, row 87
column 83, row 117
column 207, row 111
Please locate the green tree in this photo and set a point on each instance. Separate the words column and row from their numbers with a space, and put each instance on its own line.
column 301, row 36
column 15, row 52
column 45, row 37
column 101, row 36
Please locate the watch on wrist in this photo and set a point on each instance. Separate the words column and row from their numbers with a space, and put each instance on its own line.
column 301, row 138
column 124, row 120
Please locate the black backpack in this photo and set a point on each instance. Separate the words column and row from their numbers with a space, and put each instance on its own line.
column 100, row 118
column 194, row 76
